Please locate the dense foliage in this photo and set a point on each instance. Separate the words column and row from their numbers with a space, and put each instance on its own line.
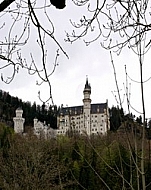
column 9, row 104
column 117, row 117
column 75, row 163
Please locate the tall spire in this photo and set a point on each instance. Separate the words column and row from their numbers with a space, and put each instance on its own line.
column 87, row 85
column 87, row 89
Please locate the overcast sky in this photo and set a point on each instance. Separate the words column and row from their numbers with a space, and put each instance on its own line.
column 93, row 61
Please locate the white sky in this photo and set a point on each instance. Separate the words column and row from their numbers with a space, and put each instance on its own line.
column 69, row 78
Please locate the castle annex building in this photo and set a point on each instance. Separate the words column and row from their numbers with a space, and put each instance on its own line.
column 86, row 119
column 19, row 121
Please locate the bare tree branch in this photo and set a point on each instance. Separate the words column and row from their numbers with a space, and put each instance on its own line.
column 5, row 4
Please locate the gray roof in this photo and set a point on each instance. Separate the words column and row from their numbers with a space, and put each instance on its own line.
column 77, row 110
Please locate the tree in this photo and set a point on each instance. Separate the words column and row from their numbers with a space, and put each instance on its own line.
column 116, row 118
column 127, row 25
column 6, row 134
column 32, row 164
column 24, row 15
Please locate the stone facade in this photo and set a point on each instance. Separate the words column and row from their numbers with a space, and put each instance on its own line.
column 42, row 130
column 86, row 119
column 19, row 121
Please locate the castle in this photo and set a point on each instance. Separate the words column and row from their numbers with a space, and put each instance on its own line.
column 19, row 121
column 86, row 119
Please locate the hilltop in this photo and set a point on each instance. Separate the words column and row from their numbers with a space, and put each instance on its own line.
column 9, row 104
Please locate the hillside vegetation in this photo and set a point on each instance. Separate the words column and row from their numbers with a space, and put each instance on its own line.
column 9, row 104
column 70, row 163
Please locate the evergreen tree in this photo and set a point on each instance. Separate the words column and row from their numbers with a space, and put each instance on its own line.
column 116, row 118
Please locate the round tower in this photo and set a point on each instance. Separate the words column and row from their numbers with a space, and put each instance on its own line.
column 19, row 121
column 87, row 106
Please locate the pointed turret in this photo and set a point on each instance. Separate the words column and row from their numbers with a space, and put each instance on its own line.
column 87, row 88
column 87, row 91
column 87, row 106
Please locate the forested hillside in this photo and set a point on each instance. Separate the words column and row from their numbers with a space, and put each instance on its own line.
column 70, row 163
column 76, row 163
column 9, row 104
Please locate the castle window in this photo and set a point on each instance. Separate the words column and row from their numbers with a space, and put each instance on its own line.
column 95, row 115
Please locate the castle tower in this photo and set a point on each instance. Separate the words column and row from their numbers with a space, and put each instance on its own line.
column 87, row 107
column 19, row 121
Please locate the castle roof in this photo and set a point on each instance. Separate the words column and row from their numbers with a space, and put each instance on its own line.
column 87, row 85
column 77, row 110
